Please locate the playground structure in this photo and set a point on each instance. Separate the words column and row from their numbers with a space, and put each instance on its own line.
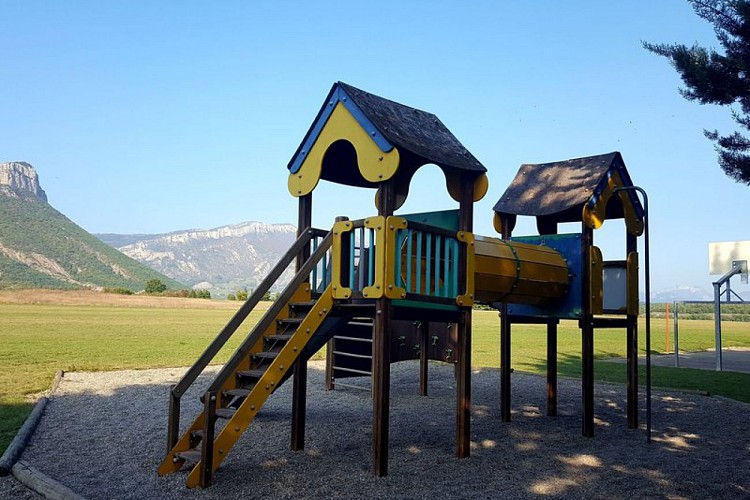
column 388, row 288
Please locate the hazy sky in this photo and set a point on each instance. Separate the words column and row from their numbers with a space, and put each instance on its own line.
column 145, row 117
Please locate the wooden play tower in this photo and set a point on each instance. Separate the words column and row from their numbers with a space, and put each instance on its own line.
column 393, row 287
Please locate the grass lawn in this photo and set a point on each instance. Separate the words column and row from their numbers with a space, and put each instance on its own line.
column 89, row 333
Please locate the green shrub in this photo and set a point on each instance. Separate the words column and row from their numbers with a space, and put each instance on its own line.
column 155, row 286
column 119, row 290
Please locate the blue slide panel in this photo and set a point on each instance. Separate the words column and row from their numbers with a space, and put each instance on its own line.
column 569, row 305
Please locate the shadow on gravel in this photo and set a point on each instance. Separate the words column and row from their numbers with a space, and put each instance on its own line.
column 105, row 440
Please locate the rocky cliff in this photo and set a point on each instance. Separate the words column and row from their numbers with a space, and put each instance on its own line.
column 222, row 259
column 21, row 177
column 41, row 248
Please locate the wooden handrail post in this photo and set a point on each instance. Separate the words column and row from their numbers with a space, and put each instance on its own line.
column 173, row 425
column 207, row 443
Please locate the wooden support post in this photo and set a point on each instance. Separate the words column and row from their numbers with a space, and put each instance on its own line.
column 463, row 387
column 330, row 347
column 463, row 370
column 207, row 443
column 546, row 226
column 587, row 336
column 381, row 382
column 381, row 359
column 423, row 332
column 299, row 404
column 299, row 382
column 173, row 425
column 552, row 369
column 505, row 330
column 505, row 369
column 632, row 353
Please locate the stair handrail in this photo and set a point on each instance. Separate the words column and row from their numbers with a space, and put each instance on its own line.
column 270, row 316
column 243, row 312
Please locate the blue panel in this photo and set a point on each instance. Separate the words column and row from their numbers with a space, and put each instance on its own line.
column 338, row 96
column 568, row 306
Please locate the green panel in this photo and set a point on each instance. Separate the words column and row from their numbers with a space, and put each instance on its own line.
column 424, row 305
column 445, row 219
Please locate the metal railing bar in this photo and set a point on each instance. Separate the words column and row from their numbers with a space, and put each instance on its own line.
column 409, row 234
column 438, row 239
column 428, row 264
column 418, row 288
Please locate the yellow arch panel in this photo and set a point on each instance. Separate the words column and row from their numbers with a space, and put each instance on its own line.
column 594, row 217
column 374, row 164
column 453, row 183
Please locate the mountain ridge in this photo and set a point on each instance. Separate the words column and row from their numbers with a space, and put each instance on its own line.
column 222, row 259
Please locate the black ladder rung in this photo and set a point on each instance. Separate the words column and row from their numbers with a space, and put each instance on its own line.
column 352, row 355
column 359, row 323
column 342, row 384
column 352, row 370
column 355, row 339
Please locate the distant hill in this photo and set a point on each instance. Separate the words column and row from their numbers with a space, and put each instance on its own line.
column 680, row 293
column 221, row 259
column 41, row 248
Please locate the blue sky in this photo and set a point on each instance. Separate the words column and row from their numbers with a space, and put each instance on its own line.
column 145, row 117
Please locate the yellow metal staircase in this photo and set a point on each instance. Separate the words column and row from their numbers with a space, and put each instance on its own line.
column 241, row 396
column 293, row 328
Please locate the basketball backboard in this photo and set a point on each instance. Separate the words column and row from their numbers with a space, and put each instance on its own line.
column 723, row 256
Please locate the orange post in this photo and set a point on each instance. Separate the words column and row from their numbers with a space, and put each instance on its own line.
column 666, row 330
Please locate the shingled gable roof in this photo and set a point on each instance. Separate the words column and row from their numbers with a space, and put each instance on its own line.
column 411, row 130
column 559, row 190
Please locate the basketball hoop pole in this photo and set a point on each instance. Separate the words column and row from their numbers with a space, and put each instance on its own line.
column 647, row 273
column 738, row 267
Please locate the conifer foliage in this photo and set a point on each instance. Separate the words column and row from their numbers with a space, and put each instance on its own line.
column 723, row 78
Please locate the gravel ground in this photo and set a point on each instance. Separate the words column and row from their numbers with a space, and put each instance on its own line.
column 103, row 435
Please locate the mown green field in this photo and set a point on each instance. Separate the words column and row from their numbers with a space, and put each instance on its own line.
column 36, row 340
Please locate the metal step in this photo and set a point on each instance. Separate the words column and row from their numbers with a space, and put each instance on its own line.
column 266, row 355
column 225, row 412
column 196, row 437
column 278, row 338
column 253, row 374
column 236, row 393
column 359, row 310
column 289, row 321
column 301, row 305
column 190, row 456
